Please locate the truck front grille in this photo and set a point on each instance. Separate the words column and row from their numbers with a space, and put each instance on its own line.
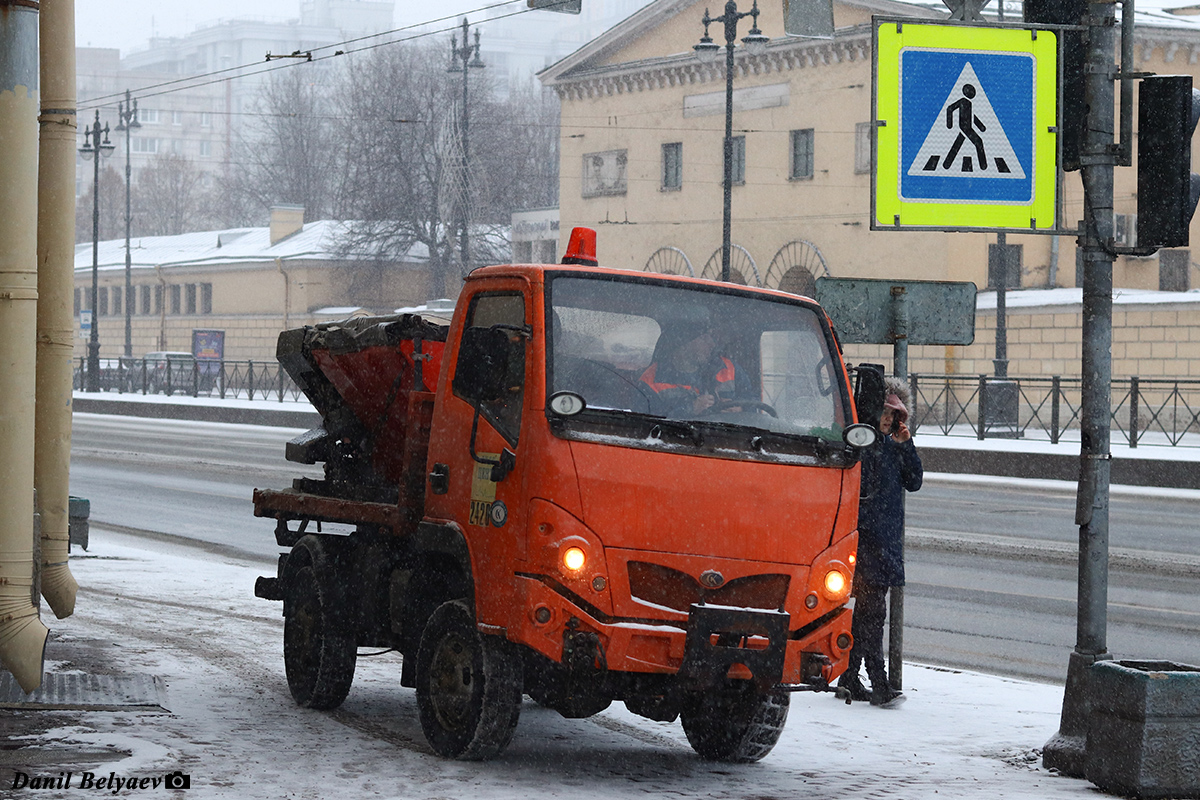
column 663, row 586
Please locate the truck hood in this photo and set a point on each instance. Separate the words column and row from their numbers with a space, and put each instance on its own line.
column 669, row 502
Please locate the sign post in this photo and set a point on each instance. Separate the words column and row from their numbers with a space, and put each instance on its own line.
column 899, row 313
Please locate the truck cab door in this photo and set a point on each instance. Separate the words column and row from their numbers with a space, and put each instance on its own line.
column 475, row 439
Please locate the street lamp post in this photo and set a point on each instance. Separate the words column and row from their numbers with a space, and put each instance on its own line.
column 707, row 51
column 468, row 54
column 93, row 148
column 127, row 121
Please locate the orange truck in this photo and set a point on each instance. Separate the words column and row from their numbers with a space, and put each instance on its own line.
column 547, row 498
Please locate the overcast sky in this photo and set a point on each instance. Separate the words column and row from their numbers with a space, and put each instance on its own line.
column 127, row 24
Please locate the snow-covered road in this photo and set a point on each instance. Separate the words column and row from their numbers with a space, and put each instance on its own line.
column 191, row 618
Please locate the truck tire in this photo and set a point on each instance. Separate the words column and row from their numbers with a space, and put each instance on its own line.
column 319, row 653
column 736, row 723
column 468, row 686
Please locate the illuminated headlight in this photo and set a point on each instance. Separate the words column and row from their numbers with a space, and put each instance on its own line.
column 835, row 583
column 574, row 558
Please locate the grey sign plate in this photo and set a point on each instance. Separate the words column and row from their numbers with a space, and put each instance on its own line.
column 938, row 312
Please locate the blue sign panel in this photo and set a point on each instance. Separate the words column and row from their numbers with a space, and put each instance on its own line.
column 966, row 126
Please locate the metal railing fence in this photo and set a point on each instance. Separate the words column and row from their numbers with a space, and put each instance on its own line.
column 225, row 379
column 1158, row 411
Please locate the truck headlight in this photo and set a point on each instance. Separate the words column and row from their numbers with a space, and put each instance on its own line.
column 574, row 558
column 835, row 583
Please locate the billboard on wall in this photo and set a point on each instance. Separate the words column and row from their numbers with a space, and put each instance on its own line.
column 208, row 344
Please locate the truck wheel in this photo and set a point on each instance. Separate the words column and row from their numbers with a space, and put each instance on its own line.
column 736, row 724
column 468, row 686
column 318, row 653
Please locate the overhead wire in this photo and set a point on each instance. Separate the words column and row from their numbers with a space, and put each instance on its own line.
column 248, row 70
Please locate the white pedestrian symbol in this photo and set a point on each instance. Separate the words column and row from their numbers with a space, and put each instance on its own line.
column 967, row 139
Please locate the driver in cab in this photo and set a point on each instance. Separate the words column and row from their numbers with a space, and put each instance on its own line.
column 688, row 375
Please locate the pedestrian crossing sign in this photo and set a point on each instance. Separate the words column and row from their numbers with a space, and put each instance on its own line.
column 966, row 122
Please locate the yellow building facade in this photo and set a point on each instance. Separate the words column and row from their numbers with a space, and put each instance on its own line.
column 642, row 159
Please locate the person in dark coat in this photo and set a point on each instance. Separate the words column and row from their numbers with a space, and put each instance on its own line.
column 889, row 468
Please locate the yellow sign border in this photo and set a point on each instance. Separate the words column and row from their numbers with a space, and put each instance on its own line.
column 891, row 212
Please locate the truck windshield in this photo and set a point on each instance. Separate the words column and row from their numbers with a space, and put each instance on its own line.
column 662, row 349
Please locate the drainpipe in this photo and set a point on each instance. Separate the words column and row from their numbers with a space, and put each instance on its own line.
column 55, row 323
column 287, row 291
column 162, row 308
column 22, row 634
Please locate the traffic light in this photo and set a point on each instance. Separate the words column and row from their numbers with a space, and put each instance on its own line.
column 1073, row 110
column 1167, row 189
column 561, row 6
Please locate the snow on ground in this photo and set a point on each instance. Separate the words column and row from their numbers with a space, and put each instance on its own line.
column 191, row 619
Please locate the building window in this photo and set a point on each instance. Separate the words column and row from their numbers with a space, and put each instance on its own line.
column 205, row 148
column 102, row 301
column 604, row 173
column 862, row 148
column 140, row 144
column 205, row 119
column 189, row 296
column 158, row 299
column 148, row 116
column 116, row 300
column 145, row 299
column 802, row 155
column 1173, row 269
column 176, row 298
column 176, row 117
column 672, row 166
column 78, row 301
column 206, row 298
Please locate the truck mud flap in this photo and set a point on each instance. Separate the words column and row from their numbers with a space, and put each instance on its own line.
column 719, row 637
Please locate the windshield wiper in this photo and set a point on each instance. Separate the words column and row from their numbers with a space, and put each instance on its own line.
column 764, row 437
column 686, row 428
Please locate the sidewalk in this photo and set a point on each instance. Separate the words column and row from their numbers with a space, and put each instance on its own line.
column 228, row 722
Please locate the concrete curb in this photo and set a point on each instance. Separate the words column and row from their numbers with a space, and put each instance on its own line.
column 155, row 410
column 1061, row 467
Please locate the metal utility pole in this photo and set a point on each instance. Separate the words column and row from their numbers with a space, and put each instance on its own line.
column 468, row 54
column 127, row 121
column 92, row 149
column 1066, row 751
column 1000, row 362
column 707, row 51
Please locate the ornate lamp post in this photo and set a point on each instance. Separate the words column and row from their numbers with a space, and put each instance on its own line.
column 707, row 51
column 93, row 148
column 468, row 55
column 127, row 121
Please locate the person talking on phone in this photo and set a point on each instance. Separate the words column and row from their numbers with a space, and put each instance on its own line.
column 889, row 468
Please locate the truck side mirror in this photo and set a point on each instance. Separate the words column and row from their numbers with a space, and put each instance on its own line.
column 482, row 367
column 869, row 393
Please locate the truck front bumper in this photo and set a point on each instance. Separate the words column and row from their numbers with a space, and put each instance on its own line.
column 713, row 642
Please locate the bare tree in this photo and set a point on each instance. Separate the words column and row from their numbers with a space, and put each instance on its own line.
column 379, row 144
column 288, row 153
column 170, row 197
column 112, row 208
column 394, row 109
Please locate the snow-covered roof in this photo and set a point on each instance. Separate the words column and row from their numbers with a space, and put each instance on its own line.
column 316, row 241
